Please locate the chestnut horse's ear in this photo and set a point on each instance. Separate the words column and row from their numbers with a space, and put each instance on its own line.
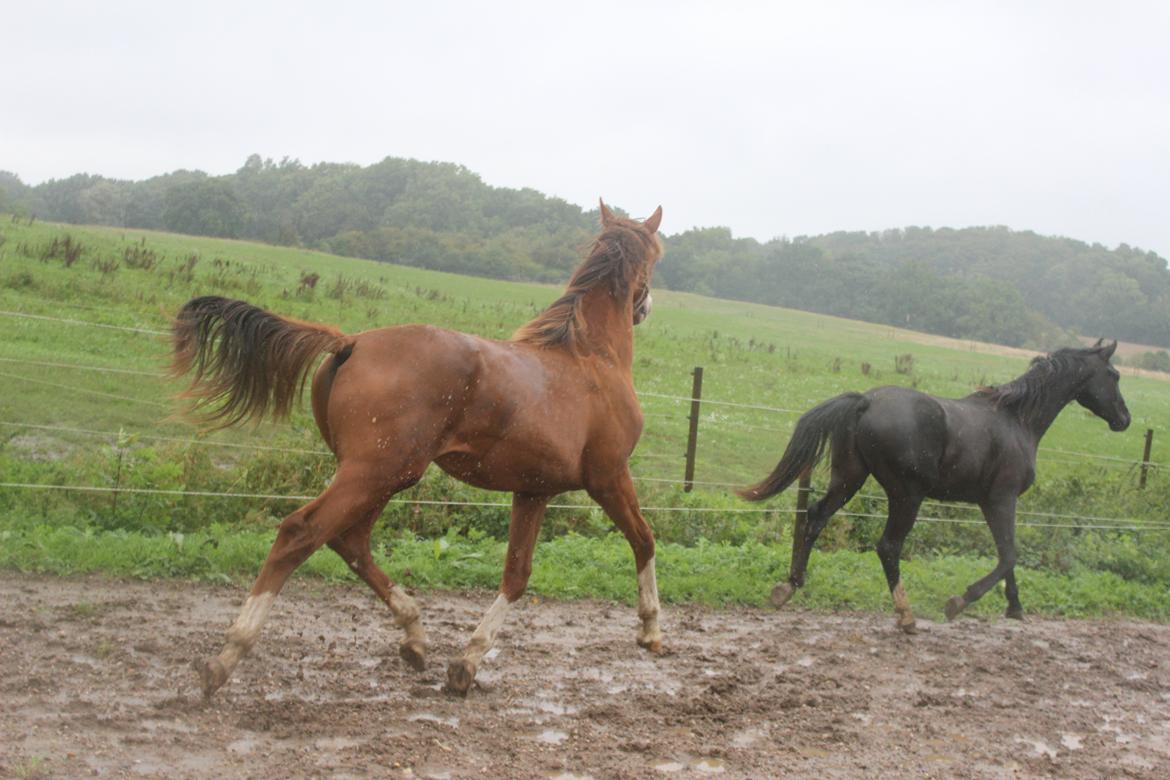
column 1106, row 350
column 654, row 221
column 607, row 217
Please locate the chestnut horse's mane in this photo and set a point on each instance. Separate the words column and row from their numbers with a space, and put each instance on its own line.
column 618, row 257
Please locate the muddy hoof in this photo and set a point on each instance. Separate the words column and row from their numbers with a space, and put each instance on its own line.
column 414, row 654
column 212, row 674
column 955, row 605
column 908, row 626
column 460, row 676
column 653, row 645
column 1014, row 614
column 781, row 593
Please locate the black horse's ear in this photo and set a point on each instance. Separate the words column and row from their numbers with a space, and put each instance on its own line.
column 1106, row 350
column 607, row 217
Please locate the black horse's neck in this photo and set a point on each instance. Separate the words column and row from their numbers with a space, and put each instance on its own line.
column 1039, row 395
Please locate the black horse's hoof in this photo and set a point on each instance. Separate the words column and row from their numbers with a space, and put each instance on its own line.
column 1015, row 614
column 781, row 593
column 955, row 605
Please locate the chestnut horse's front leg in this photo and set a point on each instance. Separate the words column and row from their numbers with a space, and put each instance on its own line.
column 527, row 515
column 620, row 501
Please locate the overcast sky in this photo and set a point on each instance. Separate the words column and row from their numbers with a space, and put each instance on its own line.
column 771, row 118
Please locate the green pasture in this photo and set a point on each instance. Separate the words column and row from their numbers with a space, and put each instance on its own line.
column 573, row 566
column 751, row 354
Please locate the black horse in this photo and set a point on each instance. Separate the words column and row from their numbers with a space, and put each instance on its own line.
column 979, row 449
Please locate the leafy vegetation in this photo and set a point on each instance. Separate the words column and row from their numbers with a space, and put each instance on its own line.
column 579, row 567
column 116, row 431
column 986, row 283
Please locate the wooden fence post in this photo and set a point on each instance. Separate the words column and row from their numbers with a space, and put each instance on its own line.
column 693, row 436
column 1146, row 457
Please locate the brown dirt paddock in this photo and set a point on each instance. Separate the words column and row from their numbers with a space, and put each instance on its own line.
column 95, row 681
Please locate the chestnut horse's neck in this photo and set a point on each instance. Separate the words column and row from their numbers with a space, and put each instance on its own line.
column 609, row 325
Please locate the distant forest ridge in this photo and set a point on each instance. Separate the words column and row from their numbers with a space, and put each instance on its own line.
column 986, row 283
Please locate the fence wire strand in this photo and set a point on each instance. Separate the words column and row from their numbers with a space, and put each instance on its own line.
column 85, row 391
column 1094, row 522
column 86, row 323
column 506, row 505
column 82, row 367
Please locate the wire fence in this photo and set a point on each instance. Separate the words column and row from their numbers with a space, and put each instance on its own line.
column 716, row 420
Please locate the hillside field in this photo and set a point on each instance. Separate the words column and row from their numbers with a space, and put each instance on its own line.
column 751, row 354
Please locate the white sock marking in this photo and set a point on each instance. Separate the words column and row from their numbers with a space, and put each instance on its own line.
column 485, row 632
column 244, row 632
column 406, row 615
column 901, row 600
column 648, row 602
column 252, row 617
column 404, row 607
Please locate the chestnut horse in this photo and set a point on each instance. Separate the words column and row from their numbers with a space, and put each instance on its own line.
column 551, row 410
column 980, row 449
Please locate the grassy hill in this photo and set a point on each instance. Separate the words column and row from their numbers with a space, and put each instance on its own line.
column 752, row 354
column 989, row 283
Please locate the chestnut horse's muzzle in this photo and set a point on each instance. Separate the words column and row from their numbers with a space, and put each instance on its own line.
column 643, row 306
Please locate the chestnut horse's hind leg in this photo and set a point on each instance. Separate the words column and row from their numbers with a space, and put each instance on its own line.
column 355, row 493
column 527, row 516
column 620, row 502
column 354, row 548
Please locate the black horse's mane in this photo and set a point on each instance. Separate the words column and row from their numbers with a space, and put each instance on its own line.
column 1031, row 390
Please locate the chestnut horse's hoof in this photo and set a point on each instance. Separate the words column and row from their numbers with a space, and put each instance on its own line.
column 414, row 654
column 653, row 645
column 955, row 605
column 212, row 674
column 460, row 676
column 908, row 626
column 781, row 593
column 1014, row 614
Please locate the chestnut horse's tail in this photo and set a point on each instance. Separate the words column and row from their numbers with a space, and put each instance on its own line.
column 807, row 445
column 247, row 362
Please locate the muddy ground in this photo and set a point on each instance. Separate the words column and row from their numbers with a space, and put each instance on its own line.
column 95, row 681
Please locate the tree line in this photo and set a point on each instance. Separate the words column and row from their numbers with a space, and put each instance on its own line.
column 987, row 283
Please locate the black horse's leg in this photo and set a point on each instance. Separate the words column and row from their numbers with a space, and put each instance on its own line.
column 903, row 513
column 846, row 478
column 1001, row 518
column 1014, row 609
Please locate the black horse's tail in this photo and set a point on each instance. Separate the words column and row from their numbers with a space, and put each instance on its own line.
column 807, row 445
